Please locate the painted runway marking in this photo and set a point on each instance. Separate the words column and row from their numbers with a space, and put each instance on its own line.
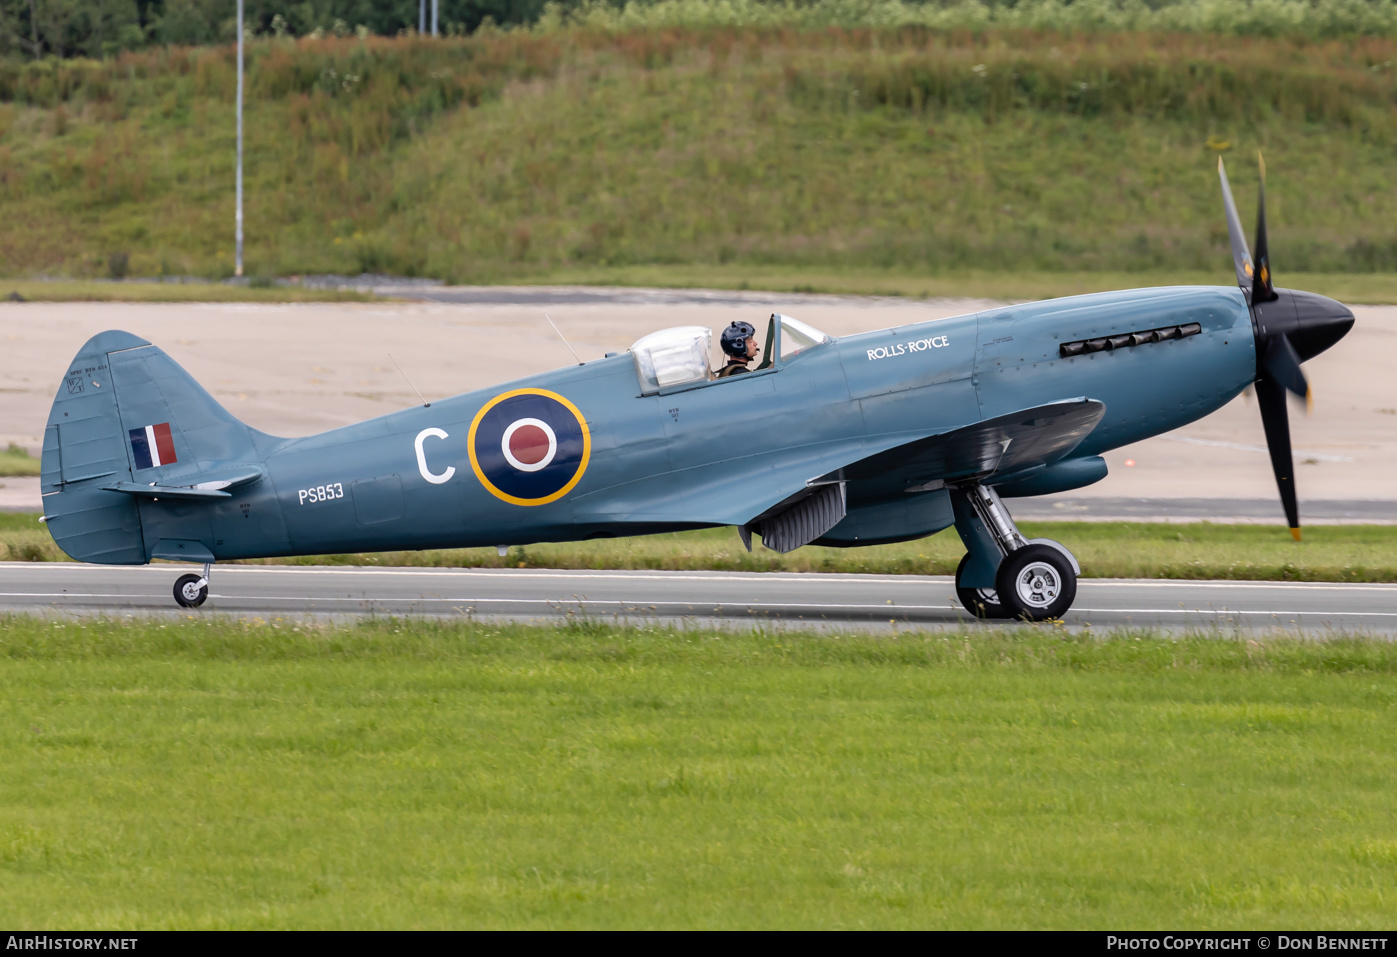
column 637, row 603
column 814, row 578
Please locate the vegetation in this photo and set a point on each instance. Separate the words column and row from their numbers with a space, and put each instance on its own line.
column 215, row 774
column 95, row 28
column 907, row 153
column 67, row 290
column 17, row 461
column 1267, row 18
column 36, row 28
column 1104, row 550
column 1351, row 288
column 1348, row 553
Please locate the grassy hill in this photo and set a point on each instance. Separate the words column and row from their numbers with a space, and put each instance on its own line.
column 525, row 155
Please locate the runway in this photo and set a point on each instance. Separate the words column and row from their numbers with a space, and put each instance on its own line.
column 697, row 598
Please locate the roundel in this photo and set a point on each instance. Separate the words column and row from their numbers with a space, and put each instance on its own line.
column 529, row 446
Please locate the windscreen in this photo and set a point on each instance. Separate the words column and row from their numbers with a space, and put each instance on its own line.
column 796, row 336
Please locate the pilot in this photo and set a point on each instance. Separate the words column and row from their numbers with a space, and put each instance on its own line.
column 740, row 348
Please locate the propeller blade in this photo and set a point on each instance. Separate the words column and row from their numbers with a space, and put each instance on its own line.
column 1263, row 289
column 1241, row 255
column 1276, row 421
column 1281, row 364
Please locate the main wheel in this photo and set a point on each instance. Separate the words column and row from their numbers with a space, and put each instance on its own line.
column 980, row 602
column 1036, row 583
column 189, row 593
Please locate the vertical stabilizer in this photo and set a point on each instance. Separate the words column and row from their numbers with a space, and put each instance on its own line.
column 83, row 450
column 128, row 415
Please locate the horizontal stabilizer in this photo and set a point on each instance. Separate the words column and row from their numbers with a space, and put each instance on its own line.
column 207, row 485
column 166, row 491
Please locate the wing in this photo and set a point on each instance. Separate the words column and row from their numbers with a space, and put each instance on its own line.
column 760, row 486
column 731, row 492
column 1006, row 446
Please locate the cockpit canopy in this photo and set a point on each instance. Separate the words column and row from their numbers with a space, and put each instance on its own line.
column 673, row 356
column 679, row 356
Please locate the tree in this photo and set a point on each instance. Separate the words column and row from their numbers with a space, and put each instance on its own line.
column 19, row 28
column 92, row 28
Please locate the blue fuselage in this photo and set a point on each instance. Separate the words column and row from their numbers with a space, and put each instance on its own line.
column 719, row 452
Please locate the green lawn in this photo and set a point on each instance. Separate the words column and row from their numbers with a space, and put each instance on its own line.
column 214, row 773
column 1351, row 288
column 1104, row 550
column 1359, row 553
column 68, row 290
column 17, row 461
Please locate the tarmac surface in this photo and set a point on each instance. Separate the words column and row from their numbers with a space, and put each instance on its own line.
column 296, row 369
column 696, row 599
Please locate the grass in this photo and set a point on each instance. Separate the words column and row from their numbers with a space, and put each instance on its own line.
column 210, row 773
column 908, row 156
column 17, row 461
column 1302, row 18
column 1352, row 288
column 1348, row 553
column 69, row 290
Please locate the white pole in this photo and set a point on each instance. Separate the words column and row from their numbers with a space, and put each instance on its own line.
column 434, row 17
column 421, row 17
column 238, row 231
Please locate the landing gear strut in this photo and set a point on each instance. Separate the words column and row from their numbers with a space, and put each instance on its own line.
column 191, row 590
column 1003, row 574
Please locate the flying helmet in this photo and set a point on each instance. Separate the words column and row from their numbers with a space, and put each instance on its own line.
column 735, row 338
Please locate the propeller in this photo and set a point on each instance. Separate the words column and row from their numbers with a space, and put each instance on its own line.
column 1290, row 326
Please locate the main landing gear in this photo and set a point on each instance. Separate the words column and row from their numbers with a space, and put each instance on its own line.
column 191, row 590
column 1003, row 574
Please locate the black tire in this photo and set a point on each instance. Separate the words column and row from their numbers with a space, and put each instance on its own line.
column 1036, row 583
column 981, row 602
column 185, row 593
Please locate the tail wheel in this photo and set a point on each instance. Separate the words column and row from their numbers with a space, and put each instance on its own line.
column 980, row 602
column 1036, row 583
column 189, row 593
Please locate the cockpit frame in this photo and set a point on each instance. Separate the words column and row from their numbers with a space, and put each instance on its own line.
column 775, row 355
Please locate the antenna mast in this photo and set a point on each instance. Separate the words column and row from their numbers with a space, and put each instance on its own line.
column 563, row 337
column 425, row 403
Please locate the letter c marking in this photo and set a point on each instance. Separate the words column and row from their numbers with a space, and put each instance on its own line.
column 422, row 458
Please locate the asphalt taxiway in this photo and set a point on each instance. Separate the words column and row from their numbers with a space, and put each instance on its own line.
column 328, row 365
column 700, row 598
